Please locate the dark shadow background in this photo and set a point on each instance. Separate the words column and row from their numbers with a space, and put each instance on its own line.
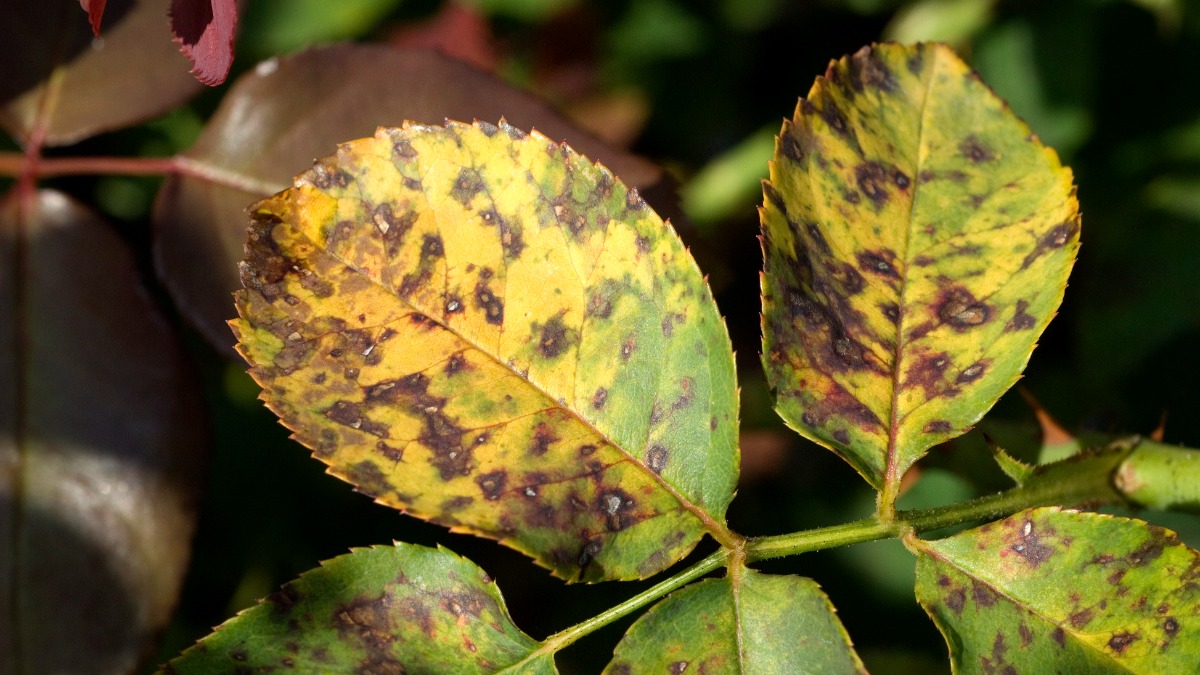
column 1110, row 84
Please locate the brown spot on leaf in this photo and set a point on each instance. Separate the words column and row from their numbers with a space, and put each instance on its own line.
column 1147, row 553
column 467, row 185
column 634, row 201
column 554, row 338
column 929, row 373
column 872, row 179
column 543, row 437
column 456, row 364
column 834, row 118
column 1170, row 626
column 789, row 146
column 842, row 436
column 1030, row 547
column 1025, row 633
column 937, row 427
column 350, row 414
column 1081, row 618
column 616, row 505
column 975, row 150
column 599, row 398
column 961, row 310
column 1021, row 319
column 1056, row 238
column 489, row 304
column 956, row 599
column 868, row 71
column 1059, row 636
column 677, row 667
column 657, row 457
column 492, row 484
column 628, row 346
column 878, row 262
column 983, row 594
column 369, row 620
column 972, row 372
column 1119, row 642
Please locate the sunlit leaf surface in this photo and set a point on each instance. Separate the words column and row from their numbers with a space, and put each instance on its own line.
column 279, row 116
column 1060, row 591
column 917, row 240
column 759, row 624
column 101, row 447
column 487, row 330
column 401, row 609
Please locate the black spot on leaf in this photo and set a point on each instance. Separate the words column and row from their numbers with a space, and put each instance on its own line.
column 878, row 262
column 975, row 150
column 972, row 372
column 789, row 146
column 872, row 178
column 467, row 185
column 599, row 398
column 554, row 338
column 543, row 437
column 489, row 304
column 960, row 309
column 1119, row 642
column 1056, row 238
column 351, row 415
column 937, row 427
column 842, row 436
column 656, row 458
column 1021, row 319
column 492, row 484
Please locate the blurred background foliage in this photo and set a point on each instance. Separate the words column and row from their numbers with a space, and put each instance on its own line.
column 701, row 87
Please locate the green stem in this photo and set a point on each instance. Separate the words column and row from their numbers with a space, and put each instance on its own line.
column 1085, row 479
column 564, row 638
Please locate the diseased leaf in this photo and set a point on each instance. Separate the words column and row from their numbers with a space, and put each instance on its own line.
column 204, row 30
column 486, row 330
column 101, row 447
column 384, row 609
column 1048, row 590
column 53, row 74
column 758, row 623
column 287, row 111
column 917, row 240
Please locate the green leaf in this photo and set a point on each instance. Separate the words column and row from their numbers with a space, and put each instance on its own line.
column 1048, row 590
column 754, row 623
column 396, row 609
column 102, row 442
column 917, row 240
column 482, row 328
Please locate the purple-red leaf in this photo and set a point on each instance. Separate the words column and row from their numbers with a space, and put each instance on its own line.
column 204, row 30
column 95, row 11
column 129, row 75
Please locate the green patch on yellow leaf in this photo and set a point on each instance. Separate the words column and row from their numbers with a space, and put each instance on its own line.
column 384, row 609
column 917, row 240
column 1048, row 590
column 748, row 623
column 486, row 330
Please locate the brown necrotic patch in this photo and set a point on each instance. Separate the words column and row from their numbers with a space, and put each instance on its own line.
column 789, row 146
column 634, row 201
column 879, row 262
column 973, row 372
column 929, row 373
column 1029, row 545
column 1021, row 320
column 554, row 338
column 491, row 484
column 456, row 364
column 873, row 180
column 834, row 118
column 937, row 427
column 1056, row 238
column 392, row 228
column 440, row 433
column 599, row 398
column 617, row 508
column 468, row 184
column 868, row 71
column 487, row 302
column 544, row 435
column 975, row 150
column 1119, row 642
column 657, row 457
column 961, row 310
column 350, row 414
column 628, row 346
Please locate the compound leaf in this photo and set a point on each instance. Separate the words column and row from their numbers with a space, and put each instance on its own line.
column 1052, row 590
column 756, row 623
column 917, row 240
column 384, row 609
column 482, row 328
